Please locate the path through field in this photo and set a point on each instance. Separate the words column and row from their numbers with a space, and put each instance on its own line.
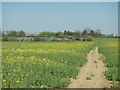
column 91, row 74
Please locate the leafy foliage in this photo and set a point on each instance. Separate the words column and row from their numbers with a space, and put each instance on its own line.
column 5, row 39
column 39, row 39
column 89, row 38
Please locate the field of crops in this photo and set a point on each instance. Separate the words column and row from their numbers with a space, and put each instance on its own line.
column 35, row 64
column 109, row 48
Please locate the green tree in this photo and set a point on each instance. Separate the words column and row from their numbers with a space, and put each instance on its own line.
column 97, row 33
column 69, row 33
column 65, row 32
column 59, row 34
column 92, row 33
column 3, row 33
column 21, row 33
column 13, row 33
column 77, row 33
column 84, row 33
column 48, row 33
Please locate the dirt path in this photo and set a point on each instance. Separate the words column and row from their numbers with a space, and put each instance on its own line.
column 91, row 74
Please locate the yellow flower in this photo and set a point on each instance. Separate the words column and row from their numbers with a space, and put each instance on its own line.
column 17, row 81
column 4, row 80
column 8, row 73
column 43, row 59
column 42, row 86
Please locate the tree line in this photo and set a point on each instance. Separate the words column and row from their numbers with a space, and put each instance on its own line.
column 86, row 32
column 13, row 33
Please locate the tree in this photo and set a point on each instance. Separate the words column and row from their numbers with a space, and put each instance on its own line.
column 68, row 33
column 48, row 33
column 7, row 33
column 5, row 39
column 112, row 35
column 97, row 33
column 77, row 33
column 3, row 33
column 59, row 34
column 13, row 33
column 84, row 33
column 88, row 30
column 92, row 33
column 65, row 32
column 21, row 33
column 52, row 34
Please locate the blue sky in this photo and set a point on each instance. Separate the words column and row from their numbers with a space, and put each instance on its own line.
column 0, row 15
column 60, row 16
column 60, row 0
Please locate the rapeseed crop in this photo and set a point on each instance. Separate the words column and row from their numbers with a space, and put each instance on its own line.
column 42, row 65
column 109, row 48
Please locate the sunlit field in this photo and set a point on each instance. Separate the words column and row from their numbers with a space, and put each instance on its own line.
column 109, row 48
column 52, row 64
column 35, row 64
column 59, row 44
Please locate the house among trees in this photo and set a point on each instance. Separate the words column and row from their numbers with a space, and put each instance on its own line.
column 31, row 34
column 85, row 35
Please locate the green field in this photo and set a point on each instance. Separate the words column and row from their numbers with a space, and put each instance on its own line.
column 109, row 48
column 52, row 64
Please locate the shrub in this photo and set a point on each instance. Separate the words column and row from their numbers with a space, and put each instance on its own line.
column 78, row 39
column 83, row 39
column 56, row 39
column 13, row 39
column 89, row 38
column 5, row 39
column 39, row 39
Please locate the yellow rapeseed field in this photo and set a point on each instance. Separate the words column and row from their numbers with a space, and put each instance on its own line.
column 34, row 64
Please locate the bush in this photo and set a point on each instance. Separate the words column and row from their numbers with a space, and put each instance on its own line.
column 13, row 39
column 83, row 39
column 78, row 39
column 5, row 39
column 39, row 39
column 89, row 38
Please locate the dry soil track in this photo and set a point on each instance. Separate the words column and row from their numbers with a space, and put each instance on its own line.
column 91, row 74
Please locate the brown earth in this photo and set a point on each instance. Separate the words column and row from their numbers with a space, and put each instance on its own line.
column 91, row 74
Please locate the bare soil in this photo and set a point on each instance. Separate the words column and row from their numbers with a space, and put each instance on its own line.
column 91, row 74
